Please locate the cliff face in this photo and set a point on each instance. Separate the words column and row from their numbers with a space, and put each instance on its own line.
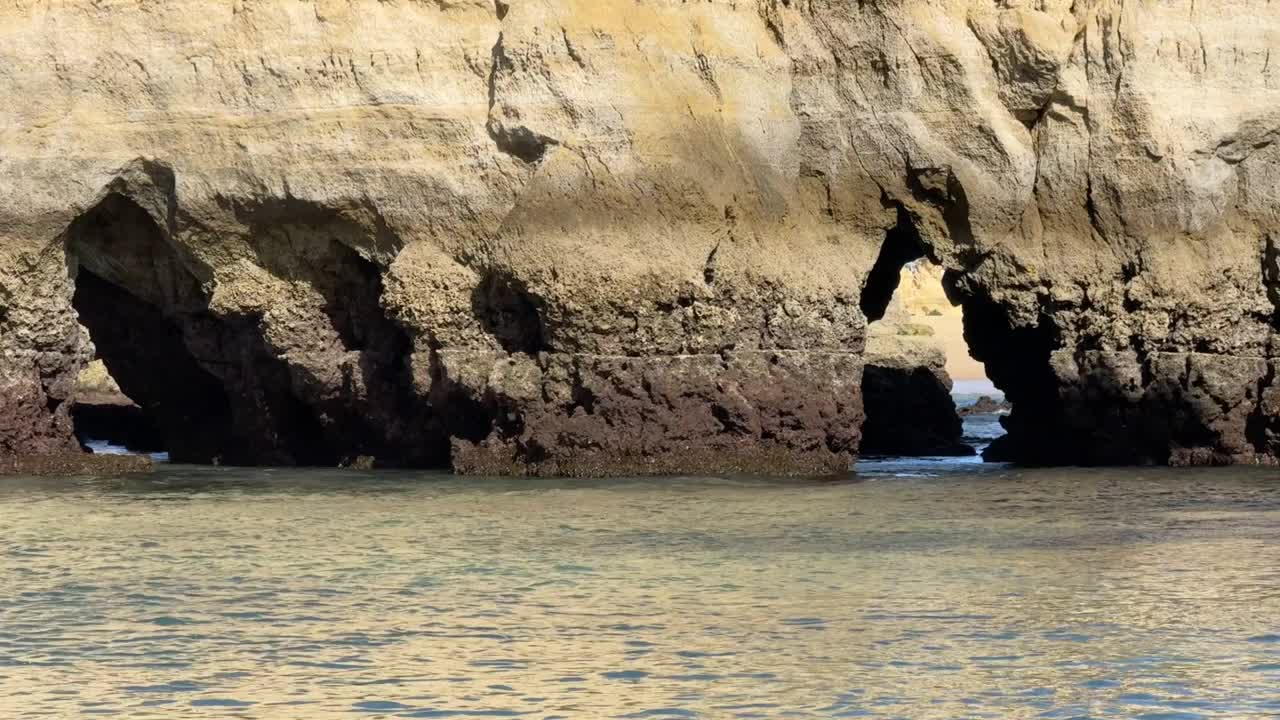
column 579, row 236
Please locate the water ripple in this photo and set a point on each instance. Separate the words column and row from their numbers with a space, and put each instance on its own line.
column 280, row 594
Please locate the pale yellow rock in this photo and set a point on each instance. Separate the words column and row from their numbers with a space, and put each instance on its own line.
column 337, row 183
column 96, row 381
column 920, row 308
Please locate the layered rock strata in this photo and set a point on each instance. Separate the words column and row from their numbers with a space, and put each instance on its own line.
column 594, row 236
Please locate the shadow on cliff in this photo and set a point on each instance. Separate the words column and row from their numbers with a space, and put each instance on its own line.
column 344, row 360
column 319, row 377
column 909, row 408
column 510, row 314
column 125, row 278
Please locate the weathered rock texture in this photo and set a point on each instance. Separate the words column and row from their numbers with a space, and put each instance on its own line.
column 906, row 393
column 579, row 236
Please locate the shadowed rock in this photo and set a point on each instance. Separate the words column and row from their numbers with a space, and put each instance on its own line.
column 986, row 405
column 556, row 237
column 906, row 394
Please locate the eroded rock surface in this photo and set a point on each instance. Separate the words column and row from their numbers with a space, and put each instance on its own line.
column 595, row 236
column 906, row 393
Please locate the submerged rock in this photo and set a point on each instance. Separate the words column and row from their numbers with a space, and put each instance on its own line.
column 596, row 236
column 75, row 463
column 986, row 405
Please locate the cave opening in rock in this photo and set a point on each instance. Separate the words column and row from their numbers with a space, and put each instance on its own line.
column 147, row 392
column 510, row 314
column 923, row 392
column 108, row 421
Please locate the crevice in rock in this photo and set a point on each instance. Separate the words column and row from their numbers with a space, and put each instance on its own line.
column 573, row 51
column 507, row 311
column 467, row 416
column 1091, row 205
column 274, row 425
column 358, row 396
column 352, row 294
column 1017, row 360
column 1031, row 118
column 583, row 397
column 710, row 266
column 389, row 421
column 1262, row 428
column 520, row 142
column 1271, row 275
column 902, row 245
column 941, row 188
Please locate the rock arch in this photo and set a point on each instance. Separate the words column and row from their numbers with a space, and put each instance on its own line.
column 682, row 254
column 309, row 370
column 138, row 301
column 906, row 389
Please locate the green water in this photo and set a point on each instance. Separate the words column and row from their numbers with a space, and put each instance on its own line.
column 307, row 594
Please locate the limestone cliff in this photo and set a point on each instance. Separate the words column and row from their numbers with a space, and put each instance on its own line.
column 580, row 236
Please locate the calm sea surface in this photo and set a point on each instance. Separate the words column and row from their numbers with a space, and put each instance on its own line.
column 978, row 592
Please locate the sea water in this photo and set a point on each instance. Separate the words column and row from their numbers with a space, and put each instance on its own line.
column 974, row 593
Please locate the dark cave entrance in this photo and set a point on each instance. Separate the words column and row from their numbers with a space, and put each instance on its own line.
column 245, row 387
column 923, row 392
column 134, row 297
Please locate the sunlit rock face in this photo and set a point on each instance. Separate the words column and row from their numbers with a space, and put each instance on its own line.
column 597, row 237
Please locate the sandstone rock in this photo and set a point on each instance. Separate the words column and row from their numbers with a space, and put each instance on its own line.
column 95, row 385
column 906, row 394
column 598, row 236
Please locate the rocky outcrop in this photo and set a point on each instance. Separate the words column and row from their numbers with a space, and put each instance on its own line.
column 72, row 463
column 588, row 236
column 986, row 405
column 906, row 393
